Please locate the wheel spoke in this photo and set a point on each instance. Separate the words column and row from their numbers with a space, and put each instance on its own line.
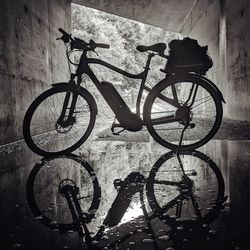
column 204, row 116
column 42, row 119
column 172, row 195
column 48, row 203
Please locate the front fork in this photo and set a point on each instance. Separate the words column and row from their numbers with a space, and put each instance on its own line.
column 71, row 192
column 67, row 118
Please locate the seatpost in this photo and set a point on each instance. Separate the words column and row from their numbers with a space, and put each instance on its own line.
column 138, row 102
column 150, row 56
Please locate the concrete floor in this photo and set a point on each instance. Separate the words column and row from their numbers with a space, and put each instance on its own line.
column 230, row 130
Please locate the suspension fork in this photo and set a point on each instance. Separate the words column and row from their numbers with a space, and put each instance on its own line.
column 70, row 194
column 142, row 87
column 74, row 98
column 67, row 99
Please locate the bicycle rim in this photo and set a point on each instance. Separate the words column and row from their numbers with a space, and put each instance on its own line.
column 41, row 128
column 177, row 204
column 205, row 113
column 48, row 204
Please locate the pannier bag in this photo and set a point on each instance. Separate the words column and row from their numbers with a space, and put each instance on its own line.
column 188, row 56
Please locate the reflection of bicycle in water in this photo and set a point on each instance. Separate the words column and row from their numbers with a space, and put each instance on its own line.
column 67, row 111
column 64, row 194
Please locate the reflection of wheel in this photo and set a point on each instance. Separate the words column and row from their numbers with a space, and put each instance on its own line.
column 198, row 107
column 45, row 191
column 49, row 132
column 196, row 196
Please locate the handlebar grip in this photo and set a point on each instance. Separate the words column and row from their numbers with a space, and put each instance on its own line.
column 63, row 32
column 102, row 45
column 66, row 36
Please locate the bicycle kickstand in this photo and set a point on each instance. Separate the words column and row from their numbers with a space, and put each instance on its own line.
column 180, row 141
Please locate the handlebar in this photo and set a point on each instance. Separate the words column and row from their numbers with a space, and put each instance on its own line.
column 63, row 32
column 66, row 37
column 102, row 45
column 77, row 43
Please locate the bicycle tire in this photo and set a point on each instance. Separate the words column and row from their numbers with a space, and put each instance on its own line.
column 205, row 126
column 38, row 120
column 45, row 200
column 165, row 207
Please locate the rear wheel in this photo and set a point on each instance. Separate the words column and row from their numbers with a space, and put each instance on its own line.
column 178, row 197
column 48, row 131
column 183, row 101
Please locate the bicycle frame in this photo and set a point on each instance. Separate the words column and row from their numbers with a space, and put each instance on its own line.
column 84, row 68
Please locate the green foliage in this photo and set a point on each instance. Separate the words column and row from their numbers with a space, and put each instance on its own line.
column 123, row 35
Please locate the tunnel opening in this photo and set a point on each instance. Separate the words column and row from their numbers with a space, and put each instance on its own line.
column 123, row 35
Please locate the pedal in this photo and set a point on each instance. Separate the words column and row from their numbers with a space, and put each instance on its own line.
column 116, row 125
column 118, row 133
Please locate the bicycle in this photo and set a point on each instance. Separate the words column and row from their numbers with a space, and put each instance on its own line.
column 182, row 189
column 68, row 111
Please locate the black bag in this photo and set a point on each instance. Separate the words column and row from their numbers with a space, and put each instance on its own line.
column 188, row 56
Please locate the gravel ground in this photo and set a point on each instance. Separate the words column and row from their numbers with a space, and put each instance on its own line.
column 230, row 130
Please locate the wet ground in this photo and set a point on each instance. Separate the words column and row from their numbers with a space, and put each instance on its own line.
column 228, row 228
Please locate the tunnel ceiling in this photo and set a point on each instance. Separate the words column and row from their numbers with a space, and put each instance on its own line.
column 166, row 14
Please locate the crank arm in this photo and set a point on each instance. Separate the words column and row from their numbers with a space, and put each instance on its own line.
column 116, row 125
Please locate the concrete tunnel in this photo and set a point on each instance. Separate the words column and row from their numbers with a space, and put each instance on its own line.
column 31, row 59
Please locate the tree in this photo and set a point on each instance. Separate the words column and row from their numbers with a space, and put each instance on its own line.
column 123, row 35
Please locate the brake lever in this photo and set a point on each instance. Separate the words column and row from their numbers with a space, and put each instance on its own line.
column 95, row 52
column 64, row 38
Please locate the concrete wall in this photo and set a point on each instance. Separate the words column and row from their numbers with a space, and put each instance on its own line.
column 232, row 157
column 203, row 25
column 222, row 25
column 30, row 57
column 166, row 14
column 238, row 58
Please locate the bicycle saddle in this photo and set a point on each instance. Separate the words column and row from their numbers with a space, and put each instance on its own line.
column 158, row 47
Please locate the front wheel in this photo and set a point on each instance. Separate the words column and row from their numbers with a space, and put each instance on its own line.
column 47, row 201
column 59, row 120
column 183, row 101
